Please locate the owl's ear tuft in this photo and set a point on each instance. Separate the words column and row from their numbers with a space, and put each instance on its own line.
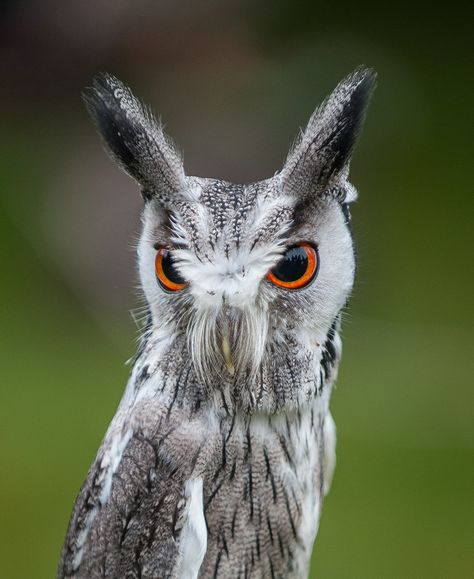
column 134, row 138
column 320, row 159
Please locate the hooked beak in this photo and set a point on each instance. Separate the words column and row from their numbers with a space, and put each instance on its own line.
column 227, row 354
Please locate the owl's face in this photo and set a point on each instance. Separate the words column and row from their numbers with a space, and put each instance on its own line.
column 222, row 248
column 249, row 279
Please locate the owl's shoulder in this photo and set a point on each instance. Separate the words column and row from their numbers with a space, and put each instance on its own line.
column 141, row 504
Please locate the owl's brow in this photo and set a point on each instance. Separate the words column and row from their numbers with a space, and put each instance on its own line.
column 158, row 245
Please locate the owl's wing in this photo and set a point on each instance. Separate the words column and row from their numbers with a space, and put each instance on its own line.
column 139, row 513
column 329, row 452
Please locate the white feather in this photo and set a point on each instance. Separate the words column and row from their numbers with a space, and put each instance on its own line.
column 329, row 452
column 193, row 542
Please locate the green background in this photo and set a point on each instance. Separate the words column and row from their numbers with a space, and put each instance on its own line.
column 233, row 82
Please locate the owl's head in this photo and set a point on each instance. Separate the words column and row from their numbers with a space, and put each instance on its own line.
column 245, row 277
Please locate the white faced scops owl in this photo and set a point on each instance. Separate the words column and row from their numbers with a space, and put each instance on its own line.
column 217, row 460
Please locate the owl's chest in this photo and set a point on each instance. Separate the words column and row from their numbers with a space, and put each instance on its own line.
column 262, row 496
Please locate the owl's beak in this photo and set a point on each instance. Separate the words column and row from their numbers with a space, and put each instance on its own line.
column 227, row 354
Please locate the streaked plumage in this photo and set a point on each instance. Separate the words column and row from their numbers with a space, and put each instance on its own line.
column 222, row 448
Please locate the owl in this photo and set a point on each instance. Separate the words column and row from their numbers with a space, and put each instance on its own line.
column 222, row 449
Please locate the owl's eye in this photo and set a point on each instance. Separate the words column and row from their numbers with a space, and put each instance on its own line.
column 297, row 268
column 166, row 273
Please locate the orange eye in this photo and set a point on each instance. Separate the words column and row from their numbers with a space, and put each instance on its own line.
column 297, row 268
column 167, row 275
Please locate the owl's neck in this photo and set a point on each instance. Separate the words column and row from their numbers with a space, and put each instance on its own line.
column 290, row 376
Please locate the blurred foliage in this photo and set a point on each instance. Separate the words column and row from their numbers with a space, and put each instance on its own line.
column 234, row 80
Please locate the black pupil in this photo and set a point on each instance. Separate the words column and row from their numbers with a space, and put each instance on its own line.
column 169, row 269
column 292, row 266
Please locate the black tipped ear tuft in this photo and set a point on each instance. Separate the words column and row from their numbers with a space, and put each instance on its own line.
column 105, row 103
column 321, row 156
column 353, row 116
column 134, row 137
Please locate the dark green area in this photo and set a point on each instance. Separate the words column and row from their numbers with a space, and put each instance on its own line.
column 401, row 503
